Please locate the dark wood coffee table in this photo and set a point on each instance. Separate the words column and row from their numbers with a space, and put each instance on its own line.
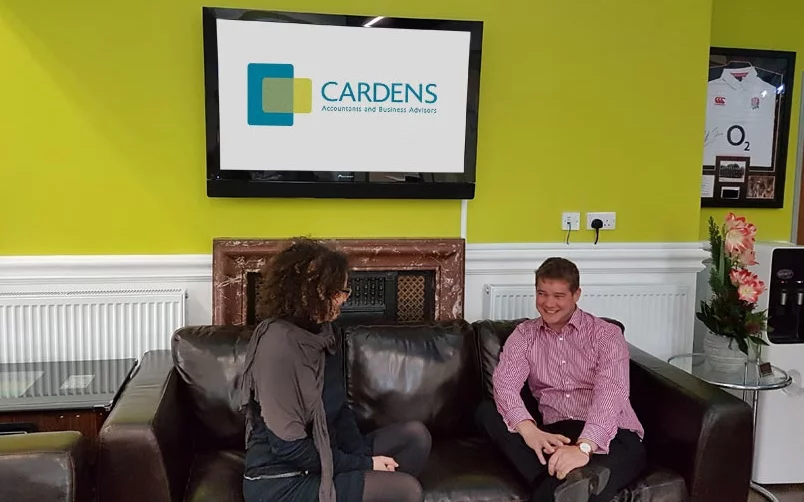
column 63, row 395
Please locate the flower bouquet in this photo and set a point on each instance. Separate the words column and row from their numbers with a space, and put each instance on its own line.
column 730, row 314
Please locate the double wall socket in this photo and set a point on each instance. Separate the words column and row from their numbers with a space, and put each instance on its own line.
column 609, row 220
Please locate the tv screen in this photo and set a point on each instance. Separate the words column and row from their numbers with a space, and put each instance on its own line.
column 323, row 105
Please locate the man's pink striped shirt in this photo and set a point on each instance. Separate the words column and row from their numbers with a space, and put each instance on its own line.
column 579, row 373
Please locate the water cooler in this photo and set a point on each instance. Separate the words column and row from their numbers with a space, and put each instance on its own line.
column 780, row 415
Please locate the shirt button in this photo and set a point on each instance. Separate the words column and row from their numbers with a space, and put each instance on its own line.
column 561, row 338
column 563, row 362
column 566, row 395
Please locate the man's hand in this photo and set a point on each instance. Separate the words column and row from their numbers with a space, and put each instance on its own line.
column 540, row 441
column 565, row 459
column 384, row 463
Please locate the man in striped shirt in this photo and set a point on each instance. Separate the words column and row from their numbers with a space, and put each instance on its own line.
column 572, row 435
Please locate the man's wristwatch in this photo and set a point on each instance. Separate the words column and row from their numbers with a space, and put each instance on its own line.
column 586, row 448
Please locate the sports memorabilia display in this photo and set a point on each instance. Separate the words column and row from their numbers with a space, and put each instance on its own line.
column 747, row 125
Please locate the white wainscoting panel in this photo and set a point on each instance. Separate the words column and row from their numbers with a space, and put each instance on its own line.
column 657, row 310
column 649, row 287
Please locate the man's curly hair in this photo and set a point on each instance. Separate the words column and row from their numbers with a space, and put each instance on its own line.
column 301, row 281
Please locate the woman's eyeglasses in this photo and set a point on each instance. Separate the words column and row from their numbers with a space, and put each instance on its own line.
column 347, row 291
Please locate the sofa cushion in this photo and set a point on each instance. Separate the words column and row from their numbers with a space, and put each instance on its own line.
column 216, row 477
column 469, row 470
column 413, row 372
column 209, row 360
column 491, row 336
column 458, row 470
column 473, row 470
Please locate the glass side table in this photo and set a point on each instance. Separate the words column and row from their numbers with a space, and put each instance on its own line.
column 746, row 380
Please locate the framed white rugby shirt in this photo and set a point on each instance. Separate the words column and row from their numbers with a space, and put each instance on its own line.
column 740, row 117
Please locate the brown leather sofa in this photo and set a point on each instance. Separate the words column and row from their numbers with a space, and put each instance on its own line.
column 44, row 467
column 174, row 435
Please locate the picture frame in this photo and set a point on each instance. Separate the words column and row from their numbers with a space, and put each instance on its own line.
column 746, row 136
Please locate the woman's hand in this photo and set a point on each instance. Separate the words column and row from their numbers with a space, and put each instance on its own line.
column 384, row 463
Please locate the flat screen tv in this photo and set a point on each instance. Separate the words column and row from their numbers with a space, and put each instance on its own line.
column 324, row 105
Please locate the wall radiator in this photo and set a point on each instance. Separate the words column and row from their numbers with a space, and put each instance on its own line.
column 88, row 325
column 657, row 317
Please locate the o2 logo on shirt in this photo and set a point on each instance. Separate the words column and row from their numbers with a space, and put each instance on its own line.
column 736, row 137
column 720, row 100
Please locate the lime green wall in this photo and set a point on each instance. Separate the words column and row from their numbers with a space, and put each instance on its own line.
column 594, row 107
column 102, row 138
column 595, row 110
column 778, row 27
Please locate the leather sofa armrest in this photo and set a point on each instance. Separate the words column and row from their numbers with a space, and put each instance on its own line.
column 694, row 428
column 44, row 467
column 146, row 444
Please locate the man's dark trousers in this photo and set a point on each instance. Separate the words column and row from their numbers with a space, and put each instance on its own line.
column 626, row 459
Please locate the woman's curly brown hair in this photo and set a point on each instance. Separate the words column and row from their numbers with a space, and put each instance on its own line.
column 301, row 281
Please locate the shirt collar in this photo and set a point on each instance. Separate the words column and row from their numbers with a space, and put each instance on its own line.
column 575, row 320
column 728, row 76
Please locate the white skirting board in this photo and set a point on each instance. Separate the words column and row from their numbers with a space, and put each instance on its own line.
column 649, row 287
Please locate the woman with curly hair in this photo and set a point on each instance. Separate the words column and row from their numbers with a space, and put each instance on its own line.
column 302, row 439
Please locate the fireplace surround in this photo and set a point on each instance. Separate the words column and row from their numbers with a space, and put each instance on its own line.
column 393, row 281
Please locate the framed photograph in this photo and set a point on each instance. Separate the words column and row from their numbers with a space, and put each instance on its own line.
column 761, row 187
column 731, row 169
column 749, row 96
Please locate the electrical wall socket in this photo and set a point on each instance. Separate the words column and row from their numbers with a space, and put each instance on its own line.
column 609, row 220
column 570, row 221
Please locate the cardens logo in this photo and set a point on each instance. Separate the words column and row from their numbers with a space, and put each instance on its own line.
column 275, row 95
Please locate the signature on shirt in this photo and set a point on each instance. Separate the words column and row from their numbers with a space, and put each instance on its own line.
column 711, row 135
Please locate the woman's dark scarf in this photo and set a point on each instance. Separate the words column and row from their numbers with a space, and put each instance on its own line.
column 284, row 372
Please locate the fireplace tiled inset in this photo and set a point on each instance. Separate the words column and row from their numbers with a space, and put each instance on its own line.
column 392, row 280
